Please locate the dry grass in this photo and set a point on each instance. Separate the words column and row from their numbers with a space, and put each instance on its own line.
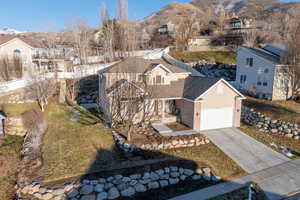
column 74, row 147
column 284, row 110
column 16, row 110
column 267, row 139
column 210, row 155
column 219, row 56
column 9, row 158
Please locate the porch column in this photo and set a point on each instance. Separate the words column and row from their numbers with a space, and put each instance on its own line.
column 197, row 115
column 163, row 110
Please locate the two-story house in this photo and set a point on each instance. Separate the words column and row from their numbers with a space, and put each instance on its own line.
column 33, row 55
column 196, row 101
column 260, row 72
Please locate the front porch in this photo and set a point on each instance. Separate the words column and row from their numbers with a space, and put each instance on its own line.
column 172, row 130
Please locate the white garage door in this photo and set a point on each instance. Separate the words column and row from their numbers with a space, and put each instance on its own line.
column 216, row 118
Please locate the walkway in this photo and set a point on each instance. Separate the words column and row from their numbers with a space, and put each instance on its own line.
column 277, row 182
column 167, row 132
column 277, row 176
column 248, row 153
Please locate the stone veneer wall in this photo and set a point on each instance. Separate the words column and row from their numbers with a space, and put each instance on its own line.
column 267, row 125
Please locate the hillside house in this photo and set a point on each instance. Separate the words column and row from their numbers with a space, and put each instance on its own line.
column 177, row 95
column 260, row 72
column 33, row 55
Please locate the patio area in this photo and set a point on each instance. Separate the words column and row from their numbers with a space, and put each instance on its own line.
column 173, row 129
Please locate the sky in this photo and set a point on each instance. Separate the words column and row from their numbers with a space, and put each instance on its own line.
column 51, row 15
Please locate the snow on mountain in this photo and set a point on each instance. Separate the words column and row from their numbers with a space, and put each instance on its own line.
column 11, row 31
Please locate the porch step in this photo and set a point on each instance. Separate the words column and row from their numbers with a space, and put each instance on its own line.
column 170, row 119
column 162, row 129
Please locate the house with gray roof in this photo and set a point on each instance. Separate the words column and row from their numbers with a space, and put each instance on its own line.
column 261, row 73
column 177, row 94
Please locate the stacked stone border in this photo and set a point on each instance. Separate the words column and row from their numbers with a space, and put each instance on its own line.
column 170, row 143
column 267, row 125
column 114, row 187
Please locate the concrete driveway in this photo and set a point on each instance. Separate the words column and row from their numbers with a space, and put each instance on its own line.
column 248, row 153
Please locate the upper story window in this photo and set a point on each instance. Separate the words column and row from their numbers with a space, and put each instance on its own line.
column 243, row 79
column 266, row 70
column 158, row 79
column 249, row 62
column 17, row 53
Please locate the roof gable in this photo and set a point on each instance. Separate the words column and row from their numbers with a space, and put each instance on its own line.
column 226, row 84
column 32, row 43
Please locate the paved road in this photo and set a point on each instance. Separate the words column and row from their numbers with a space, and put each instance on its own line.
column 248, row 153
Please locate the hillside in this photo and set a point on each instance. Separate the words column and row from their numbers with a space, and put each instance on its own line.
column 247, row 8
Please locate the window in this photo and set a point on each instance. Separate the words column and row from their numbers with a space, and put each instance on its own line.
column 17, row 53
column 266, row 70
column 265, row 84
column 243, row 79
column 158, row 79
column 249, row 62
column 140, row 78
column 259, row 83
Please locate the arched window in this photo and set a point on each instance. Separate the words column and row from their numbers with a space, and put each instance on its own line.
column 17, row 52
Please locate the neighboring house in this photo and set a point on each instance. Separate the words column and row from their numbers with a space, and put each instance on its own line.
column 260, row 72
column 198, row 102
column 32, row 53
column 203, row 43
column 167, row 28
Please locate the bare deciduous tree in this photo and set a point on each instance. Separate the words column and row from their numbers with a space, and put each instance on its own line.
column 184, row 33
column 5, row 68
column 80, row 36
column 292, row 60
column 122, row 9
column 41, row 89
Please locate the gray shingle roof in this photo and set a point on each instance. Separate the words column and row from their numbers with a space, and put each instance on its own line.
column 264, row 54
column 140, row 65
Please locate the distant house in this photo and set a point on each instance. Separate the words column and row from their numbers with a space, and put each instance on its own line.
column 177, row 94
column 33, row 55
column 166, row 28
column 260, row 72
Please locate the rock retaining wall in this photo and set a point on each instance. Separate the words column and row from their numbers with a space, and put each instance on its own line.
column 170, row 143
column 114, row 187
column 15, row 126
column 267, row 125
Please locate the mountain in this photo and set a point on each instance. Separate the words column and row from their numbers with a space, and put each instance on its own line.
column 201, row 8
column 11, row 31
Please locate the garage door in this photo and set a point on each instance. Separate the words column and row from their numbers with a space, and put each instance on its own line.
column 216, row 118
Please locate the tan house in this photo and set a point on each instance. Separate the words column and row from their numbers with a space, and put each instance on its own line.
column 32, row 53
column 177, row 95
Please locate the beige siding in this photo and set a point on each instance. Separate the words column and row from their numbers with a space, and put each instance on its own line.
column 220, row 96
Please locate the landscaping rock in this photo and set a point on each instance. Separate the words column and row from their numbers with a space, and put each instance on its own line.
column 140, row 188
column 188, row 172
column 86, row 189
column 113, row 193
column 88, row 197
column 128, row 192
column 163, row 183
column 173, row 181
column 153, row 185
column 99, row 188
column 196, row 177
column 73, row 193
column 154, row 176
column 101, row 196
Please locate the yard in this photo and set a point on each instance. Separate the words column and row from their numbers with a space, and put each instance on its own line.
column 9, row 158
column 267, row 139
column 285, row 110
column 219, row 56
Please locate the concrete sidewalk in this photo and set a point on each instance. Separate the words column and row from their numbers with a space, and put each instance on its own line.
column 278, row 182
